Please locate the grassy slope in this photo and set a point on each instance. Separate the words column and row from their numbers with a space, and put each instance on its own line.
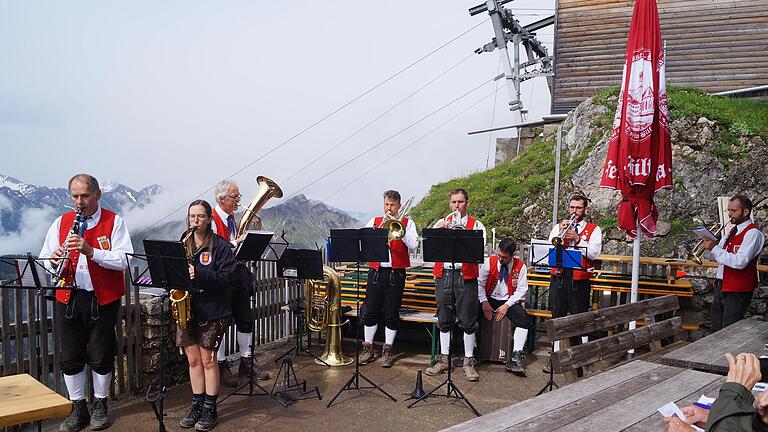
column 499, row 195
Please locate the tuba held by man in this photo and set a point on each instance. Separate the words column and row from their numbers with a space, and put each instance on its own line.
column 267, row 189
column 323, row 310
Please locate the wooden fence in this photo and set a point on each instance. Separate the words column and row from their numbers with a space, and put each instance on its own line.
column 31, row 344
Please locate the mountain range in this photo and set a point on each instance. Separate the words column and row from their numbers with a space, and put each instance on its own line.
column 27, row 210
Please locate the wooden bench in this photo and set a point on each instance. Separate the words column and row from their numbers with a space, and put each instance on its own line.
column 578, row 356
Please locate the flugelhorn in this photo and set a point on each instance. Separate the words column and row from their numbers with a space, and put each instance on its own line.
column 181, row 301
column 323, row 311
column 267, row 189
column 453, row 220
column 393, row 224
column 698, row 251
column 572, row 222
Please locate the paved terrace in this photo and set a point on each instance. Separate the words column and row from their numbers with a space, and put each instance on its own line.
column 353, row 411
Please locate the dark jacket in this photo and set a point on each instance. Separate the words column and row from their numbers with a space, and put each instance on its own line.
column 213, row 275
column 734, row 411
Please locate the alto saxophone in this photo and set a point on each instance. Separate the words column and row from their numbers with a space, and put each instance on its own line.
column 181, row 301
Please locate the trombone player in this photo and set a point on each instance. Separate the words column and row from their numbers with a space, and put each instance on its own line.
column 386, row 280
column 572, row 292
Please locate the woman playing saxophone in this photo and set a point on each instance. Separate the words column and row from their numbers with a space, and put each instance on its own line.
column 212, row 264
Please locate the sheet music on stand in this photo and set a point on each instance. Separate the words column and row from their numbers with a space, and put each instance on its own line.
column 543, row 254
column 262, row 244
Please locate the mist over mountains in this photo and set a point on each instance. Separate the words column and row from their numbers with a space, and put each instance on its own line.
column 26, row 212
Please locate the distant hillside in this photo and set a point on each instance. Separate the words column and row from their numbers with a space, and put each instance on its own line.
column 719, row 149
column 307, row 223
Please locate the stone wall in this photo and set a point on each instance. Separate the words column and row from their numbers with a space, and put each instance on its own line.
column 151, row 325
column 506, row 148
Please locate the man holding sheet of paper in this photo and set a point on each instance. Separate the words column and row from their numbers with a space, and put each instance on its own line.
column 737, row 255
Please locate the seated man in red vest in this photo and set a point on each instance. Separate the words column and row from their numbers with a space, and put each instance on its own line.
column 386, row 281
column 502, row 286
column 737, row 255
column 224, row 225
column 571, row 291
column 457, row 299
column 86, row 316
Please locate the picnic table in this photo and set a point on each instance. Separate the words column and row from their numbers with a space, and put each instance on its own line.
column 708, row 354
column 621, row 399
column 24, row 400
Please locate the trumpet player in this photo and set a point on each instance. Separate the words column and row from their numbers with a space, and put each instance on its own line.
column 570, row 292
column 457, row 299
column 228, row 196
column 736, row 255
column 386, row 281
column 212, row 266
column 87, row 315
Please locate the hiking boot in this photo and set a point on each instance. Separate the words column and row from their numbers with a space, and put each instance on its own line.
column 386, row 356
column 78, row 417
column 367, row 355
column 250, row 366
column 207, row 419
column 192, row 416
column 99, row 417
column 469, row 369
column 439, row 367
column 515, row 364
column 226, row 377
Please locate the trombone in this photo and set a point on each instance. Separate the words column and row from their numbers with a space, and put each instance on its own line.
column 393, row 224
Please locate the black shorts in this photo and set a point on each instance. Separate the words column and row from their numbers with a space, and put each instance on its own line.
column 207, row 334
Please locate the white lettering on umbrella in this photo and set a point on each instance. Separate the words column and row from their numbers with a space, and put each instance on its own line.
column 639, row 166
column 661, row 172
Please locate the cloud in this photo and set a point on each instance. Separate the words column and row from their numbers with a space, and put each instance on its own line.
column 32, row 229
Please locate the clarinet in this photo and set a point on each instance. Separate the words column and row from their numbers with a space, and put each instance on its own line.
column 59, row 276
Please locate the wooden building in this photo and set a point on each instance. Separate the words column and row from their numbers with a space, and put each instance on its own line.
column 715, row 45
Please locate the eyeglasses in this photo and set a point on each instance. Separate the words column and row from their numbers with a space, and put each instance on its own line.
column 235, row 197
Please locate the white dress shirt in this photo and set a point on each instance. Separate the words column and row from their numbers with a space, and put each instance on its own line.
column 478, row 226
column 113, row 259
column 500, row 291
column 593, row 247
column 411, row 238
column 749, row 249
column 224, row 215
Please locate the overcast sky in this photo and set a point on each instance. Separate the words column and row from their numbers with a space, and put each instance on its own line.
column 184, row 93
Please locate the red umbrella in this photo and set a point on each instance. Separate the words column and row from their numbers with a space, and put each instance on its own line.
column 639, row 160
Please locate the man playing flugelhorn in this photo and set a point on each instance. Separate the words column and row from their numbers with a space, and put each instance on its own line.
column 457, row 299
column 386, row 281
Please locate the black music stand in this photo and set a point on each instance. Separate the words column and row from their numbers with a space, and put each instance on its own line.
column 257, row 246
column 297, row 264
column 301, row 264
column 452, row 245
column 358, row 245
column 559, row 258
column 29, row 278
column 167, row 264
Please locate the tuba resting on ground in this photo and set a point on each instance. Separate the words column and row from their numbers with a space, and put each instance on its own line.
column 323, row 311
column 698, row 251
column 181, row 301
column 267, row 189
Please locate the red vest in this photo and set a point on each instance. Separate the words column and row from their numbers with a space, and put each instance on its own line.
column 221, row 226
column 586, row 263
column 397, row 249
column 744, row 280
column 468, row 270
column 108, row 285
column 493, row 275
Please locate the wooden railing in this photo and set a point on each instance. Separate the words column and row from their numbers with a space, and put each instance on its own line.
column 24, row 332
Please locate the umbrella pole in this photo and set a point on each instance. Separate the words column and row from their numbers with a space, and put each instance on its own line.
column 635, row 277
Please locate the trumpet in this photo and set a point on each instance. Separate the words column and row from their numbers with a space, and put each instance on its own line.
column 698, row 251
column 181, row 302
column 453, row 220
column 78, row 227
column 394, row 224
column 558, row 241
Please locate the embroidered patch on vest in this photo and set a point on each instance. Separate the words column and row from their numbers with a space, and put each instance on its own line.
column 103, row 242
column 205, row 258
